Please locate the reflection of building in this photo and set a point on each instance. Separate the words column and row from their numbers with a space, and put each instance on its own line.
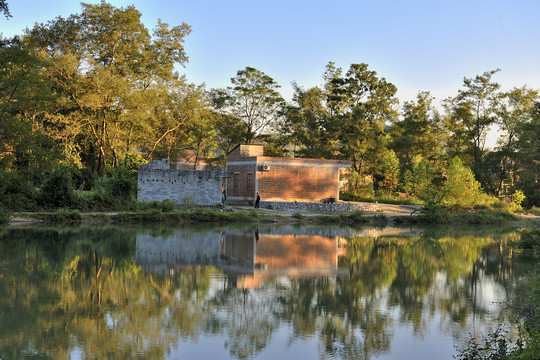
column 246, row 257
column 281, row 179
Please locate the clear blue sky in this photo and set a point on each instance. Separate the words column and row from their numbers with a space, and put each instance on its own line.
column 415, row 44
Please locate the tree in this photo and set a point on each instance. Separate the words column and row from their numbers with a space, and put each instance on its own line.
column 528, row 155
column 422, row 180
column 25, row 100
column 307, row 124
column 360, row 104
column 108, row 70
column 461, row 188
column 419, row 135
column 4, row 8
column 470, row 116
column 389, row 172
column 253, row 100
column 515, row 109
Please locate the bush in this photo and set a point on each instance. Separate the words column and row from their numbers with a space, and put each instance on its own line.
column 518, row 197
column 493, row 347
column 16, row 192
column 57, row 189
column 117, row 191
column 163, row 206
column 4, row 216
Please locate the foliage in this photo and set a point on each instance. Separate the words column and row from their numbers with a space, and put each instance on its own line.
column 16, row 192
column 419, row 134
column 518, row 197
column 163, row 206
column 57, row 191
column 389, row 173
column 470, row 115
column 528, row 154
column 109, row 73
column 4, row 215
column 495, row 346
column 461, row 188
column 530, row 239
column 253, row 100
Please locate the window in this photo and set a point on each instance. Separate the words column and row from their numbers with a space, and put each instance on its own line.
column 236, row 182
column 249, row 180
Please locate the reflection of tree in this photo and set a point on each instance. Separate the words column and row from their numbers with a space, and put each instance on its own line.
column 63, row 289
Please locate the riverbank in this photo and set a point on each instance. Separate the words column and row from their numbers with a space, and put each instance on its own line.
column 387, row 214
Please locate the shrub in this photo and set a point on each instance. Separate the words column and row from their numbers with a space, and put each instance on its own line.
column 56, row 191
column 16, row 191
column 4, row 215
column 461, row 188
column 493, row 347
column 518, row 197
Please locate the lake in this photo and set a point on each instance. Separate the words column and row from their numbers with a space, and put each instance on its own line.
column 248, row 292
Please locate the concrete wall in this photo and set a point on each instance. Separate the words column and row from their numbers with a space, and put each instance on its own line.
column 157, row 182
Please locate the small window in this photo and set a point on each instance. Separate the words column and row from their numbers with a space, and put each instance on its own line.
column 249, row 180
column 236, row 179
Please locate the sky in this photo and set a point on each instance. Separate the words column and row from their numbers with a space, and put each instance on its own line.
column 417, row 45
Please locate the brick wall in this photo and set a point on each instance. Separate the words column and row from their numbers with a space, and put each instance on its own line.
column 298, row 181
column 281, row 179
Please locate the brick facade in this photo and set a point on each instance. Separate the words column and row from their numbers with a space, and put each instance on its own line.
column 281, row 179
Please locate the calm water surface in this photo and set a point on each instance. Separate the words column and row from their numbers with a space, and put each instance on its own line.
column 115, row 292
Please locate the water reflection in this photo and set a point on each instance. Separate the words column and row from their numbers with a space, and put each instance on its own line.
column 127, row 292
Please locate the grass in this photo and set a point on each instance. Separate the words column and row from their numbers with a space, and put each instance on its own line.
column 441, row 215
column 346, row 196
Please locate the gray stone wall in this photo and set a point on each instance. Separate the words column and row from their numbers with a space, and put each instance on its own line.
column 157, row 182
column 331, row 207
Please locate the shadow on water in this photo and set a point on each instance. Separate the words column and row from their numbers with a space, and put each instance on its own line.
column 246, row 291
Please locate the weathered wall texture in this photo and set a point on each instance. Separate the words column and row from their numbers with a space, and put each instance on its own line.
column 157, row 182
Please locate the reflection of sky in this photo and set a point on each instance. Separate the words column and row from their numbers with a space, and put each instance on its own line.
column 282, row 347
column 437, row 334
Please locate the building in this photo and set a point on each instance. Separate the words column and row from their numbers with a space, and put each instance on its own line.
column 281, row 179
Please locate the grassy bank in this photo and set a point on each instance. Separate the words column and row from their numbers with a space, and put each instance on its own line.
column 441, row 215
column 159, row 213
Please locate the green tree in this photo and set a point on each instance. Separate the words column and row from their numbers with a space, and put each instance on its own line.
column 108, row 69
column 419, row 134
column 461, row 189
column 360, row 104
column 514, row 111
column 471, row 114
column 528, row 155
column 422, row 180
column 4, row 8
column 252, row 100
column 25, row 101
column 308, row 124
column 389, row 173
